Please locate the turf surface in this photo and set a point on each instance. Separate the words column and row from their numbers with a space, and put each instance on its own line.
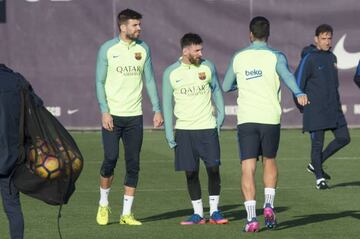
column 162, row 200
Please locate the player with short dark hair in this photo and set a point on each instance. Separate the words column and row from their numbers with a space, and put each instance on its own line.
column 126, row 15
column 121, row 65
column 323, row 28
column 317, row 76
column 255, row 72
column 192, row 82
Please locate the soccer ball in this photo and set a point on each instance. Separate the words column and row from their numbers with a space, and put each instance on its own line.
column 59, row 145
column 37, row 151
column 42, row 146
column 48, row 166
column 72, row 162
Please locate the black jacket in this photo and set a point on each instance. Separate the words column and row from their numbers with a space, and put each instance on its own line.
column 357, row 76
column 11, row 84
column 317, row 76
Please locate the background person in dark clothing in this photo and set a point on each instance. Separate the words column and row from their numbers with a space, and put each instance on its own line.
column 357, row 75
column 10, row 85
column 317, row 77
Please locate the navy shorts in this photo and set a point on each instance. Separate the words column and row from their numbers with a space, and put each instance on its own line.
column 258, row 140
column 195, row 144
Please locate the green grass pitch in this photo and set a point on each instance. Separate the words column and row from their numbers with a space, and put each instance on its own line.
column 162, row 200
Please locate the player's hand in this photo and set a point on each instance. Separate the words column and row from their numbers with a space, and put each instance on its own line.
column 158, row 120
column 172, row 144
column 107, row 121
column 303, row 100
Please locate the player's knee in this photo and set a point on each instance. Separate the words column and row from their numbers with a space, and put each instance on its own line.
column 343, row 140
column 131, row 180
column 106, row 172
column 213, row 169
column 213, row 173
column 107, row 168
column 192, row 176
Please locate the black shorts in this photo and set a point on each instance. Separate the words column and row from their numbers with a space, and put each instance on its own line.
column 130, row 130
column 258, row 139
column 193, row 145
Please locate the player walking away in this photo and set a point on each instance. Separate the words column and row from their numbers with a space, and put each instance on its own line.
column 317, row 76
column 255, row 72
column 357, row 75
column 121, row 64
column 192, row 82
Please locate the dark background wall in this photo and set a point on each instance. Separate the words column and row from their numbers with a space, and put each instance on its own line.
column 54, row 43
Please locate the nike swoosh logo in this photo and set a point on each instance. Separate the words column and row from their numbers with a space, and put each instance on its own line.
column 287, row 110
column 346, row 60
column 70, row 112
column 115, row 56
column 177, row 81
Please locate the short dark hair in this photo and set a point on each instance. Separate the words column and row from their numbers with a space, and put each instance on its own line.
column 126, row 15
column 260, row 27
column 323, row 28
column 190, row 39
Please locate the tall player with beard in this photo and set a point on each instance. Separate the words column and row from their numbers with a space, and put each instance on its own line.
column 192, row 81
column 122, row 62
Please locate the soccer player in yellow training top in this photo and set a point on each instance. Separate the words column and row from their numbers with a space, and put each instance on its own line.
column 191, row 82
column 255, row 72
column 121, row 65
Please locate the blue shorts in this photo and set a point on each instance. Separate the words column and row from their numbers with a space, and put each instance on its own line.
column 258, row 140
column 195, row 144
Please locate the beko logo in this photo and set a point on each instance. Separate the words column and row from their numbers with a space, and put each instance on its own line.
column 251, row 74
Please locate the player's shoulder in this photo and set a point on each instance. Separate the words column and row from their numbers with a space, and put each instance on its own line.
column 242, row 52
column 104, row 48
column 208, row 63
column 276, row 52
column 109, row 43
column 172, row 67
column 143, row 44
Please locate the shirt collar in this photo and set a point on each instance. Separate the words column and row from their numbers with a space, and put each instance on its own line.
column 127, row 44
column 259, row 43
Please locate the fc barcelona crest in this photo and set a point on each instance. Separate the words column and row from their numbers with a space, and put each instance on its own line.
column 202, row 75
column 138, row 56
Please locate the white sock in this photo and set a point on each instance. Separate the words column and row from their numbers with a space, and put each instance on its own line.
column 104, row 195
column 319, row 180
column 198, row 207
column 213, row 202
column 127, row 204
column 269, row 196
column 250, row 207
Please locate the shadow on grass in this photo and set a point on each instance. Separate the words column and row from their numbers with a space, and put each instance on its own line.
column 230, row 212
column 348, row 184
column 315, row 218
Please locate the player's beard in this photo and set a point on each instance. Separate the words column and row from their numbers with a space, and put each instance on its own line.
column 193, row 60
column 133, row 36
